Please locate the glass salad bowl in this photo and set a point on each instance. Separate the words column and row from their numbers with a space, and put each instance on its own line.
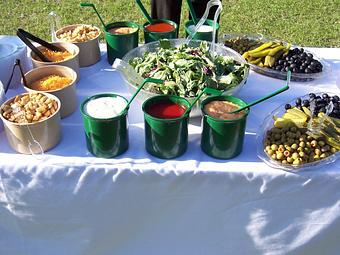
column 132, row 78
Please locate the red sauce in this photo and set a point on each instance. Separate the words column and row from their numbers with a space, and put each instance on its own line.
column 165, row 110
column 161, row 27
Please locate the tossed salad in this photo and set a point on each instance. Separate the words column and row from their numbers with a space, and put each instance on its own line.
column 187, row 71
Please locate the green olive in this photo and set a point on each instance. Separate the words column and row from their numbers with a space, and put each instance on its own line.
column 317, row 152
column 279, row 155
column 321, row 143
column 314, row 143
column 274, row 147
column 294, row 146
column 295, row 155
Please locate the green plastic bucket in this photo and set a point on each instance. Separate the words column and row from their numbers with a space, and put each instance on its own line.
column 166, row 138
column 155, row 36
column 223, row 139
column 120, row 44
column 105, row 138
column 206, row 36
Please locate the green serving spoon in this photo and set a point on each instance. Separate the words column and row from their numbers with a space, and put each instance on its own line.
column 192, row 12
column 94, row 8
column 289, row 74
column 145, row 13
column 140, row 87
column 204, row 91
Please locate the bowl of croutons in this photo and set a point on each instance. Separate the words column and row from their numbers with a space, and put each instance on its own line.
column 32, row 122
column 86, row 37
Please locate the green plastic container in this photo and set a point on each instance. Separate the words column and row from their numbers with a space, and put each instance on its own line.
column 120, row 44
column 105, row 138
column 223, row 139
column 166, row 138
column 204, row 36
column 155, row 36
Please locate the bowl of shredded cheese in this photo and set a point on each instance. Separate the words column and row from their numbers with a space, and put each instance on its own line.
column 68, row 57
column 86, row 37
column 57, row 80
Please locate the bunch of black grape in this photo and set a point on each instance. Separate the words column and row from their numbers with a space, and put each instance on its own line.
column 317, row 103
column 298, row 61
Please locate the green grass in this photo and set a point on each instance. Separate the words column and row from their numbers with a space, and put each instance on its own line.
column 303, row 22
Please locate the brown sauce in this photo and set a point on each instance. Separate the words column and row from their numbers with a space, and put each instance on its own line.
column 221, row 109
column 122, row 30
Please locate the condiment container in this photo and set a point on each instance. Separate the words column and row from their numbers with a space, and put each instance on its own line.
column 202, row 35
column 223, row 139
column 106, row 136
column 120, row 44
column 166, row 137
column 89, row 51
column 33, row 138
column 156, row 31
column 67, row 95
column 72, row 62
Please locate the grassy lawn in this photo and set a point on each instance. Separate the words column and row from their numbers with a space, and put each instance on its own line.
column 303, row 22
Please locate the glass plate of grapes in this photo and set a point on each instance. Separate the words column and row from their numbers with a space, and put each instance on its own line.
column 304, row 65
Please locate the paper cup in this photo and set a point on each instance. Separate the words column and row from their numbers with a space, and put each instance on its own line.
column 27, row 138
column 66, row 95
column 72, row 62
column 89, row 52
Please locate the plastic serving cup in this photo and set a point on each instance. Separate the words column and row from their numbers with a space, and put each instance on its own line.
column 23, row 137
column 206, row 36
column 223, row 139
column 155, row 36
column 120, row 44
column 105, row 138
column 72, row 62
column 67, row 95
column 166, row 138
column 89, row 52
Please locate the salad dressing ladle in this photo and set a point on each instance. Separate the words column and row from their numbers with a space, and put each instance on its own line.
column 144, row 11
column 286, row 87
column 94, row 8
column 159, row 81
column 192, row 12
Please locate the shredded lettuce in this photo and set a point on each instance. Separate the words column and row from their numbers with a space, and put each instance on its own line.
column 187, row 70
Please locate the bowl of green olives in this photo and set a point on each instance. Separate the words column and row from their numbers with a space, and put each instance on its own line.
column 302, row 133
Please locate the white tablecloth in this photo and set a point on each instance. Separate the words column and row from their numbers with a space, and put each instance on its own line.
column 69, row 202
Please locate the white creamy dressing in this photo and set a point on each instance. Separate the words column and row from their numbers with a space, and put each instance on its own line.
column 105, row 107
column 203, row 28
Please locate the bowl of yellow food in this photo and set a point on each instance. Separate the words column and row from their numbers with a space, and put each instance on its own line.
column 32, row 122
column 57, row 80
column 86, row 38
column 68, row 57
